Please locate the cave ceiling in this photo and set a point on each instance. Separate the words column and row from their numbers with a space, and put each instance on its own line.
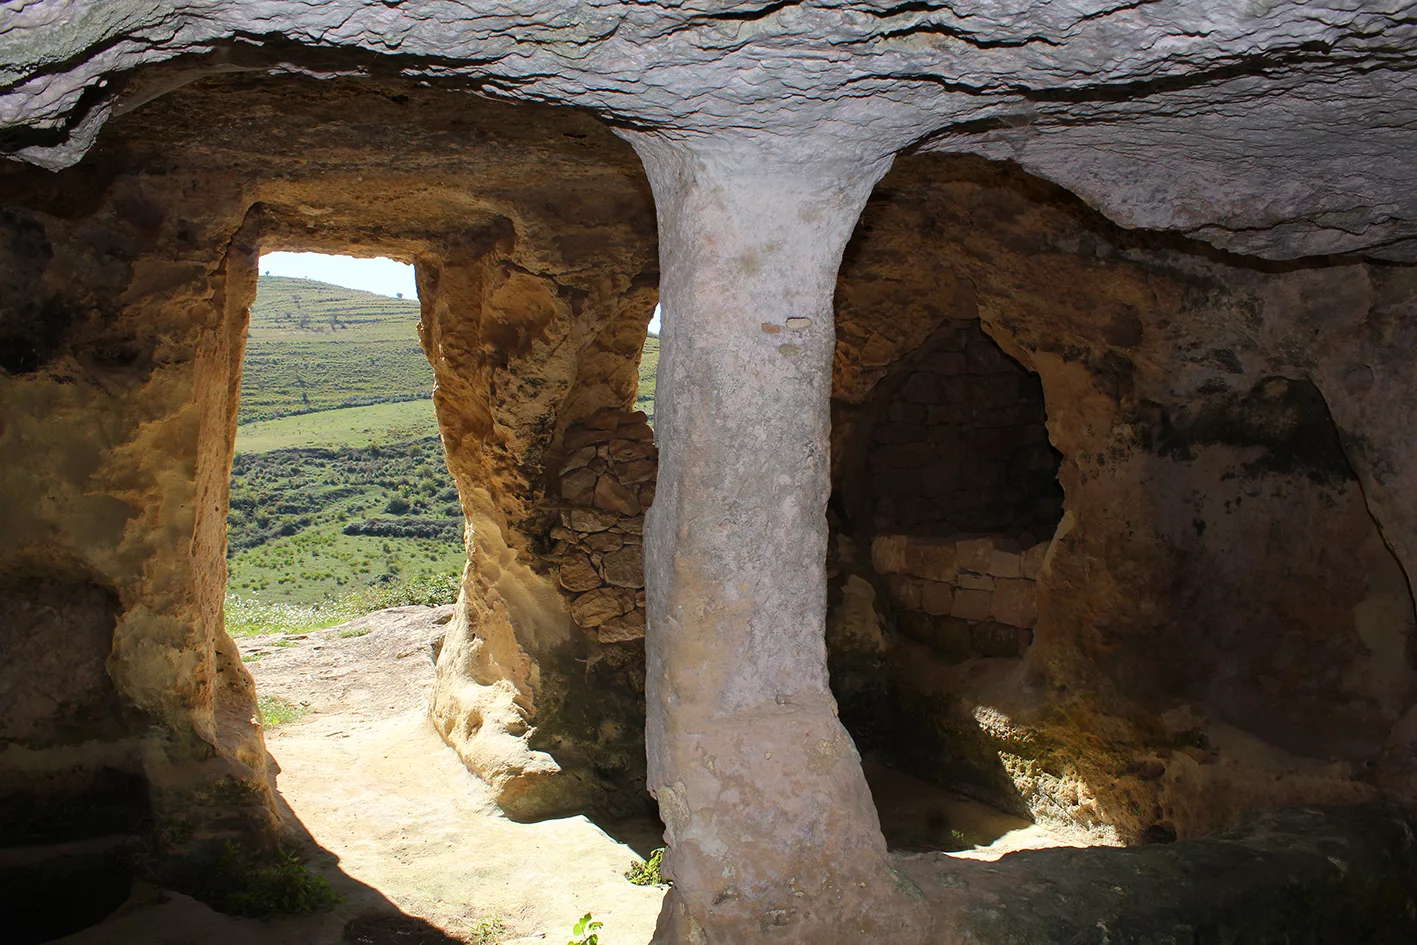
column 1279, row 129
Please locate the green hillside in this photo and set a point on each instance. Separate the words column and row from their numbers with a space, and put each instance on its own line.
column 314, row 346
column 649, row 367
column 341, row 501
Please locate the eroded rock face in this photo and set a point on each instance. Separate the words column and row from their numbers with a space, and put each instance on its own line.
column 1277, row 129
column 1223, row 596
column 122, row 343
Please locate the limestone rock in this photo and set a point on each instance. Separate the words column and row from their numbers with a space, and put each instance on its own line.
column 936, row 598
column 972, row 605
column 622, row 629
column 613, row 497
column 589, row 520
column 578, row 487
column 1015, row 602
column 578, row 574
column 626, row 567
column 596, row 607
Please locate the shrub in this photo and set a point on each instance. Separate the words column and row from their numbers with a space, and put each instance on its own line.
column 261, row 885
column 647, row 872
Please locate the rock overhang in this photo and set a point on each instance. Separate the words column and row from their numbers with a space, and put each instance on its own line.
column 1278, row 130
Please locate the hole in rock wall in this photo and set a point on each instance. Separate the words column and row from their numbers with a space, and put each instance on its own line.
column 938, row 538
column 341, row 501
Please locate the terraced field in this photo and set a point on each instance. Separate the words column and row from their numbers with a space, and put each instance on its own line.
column 341, row 500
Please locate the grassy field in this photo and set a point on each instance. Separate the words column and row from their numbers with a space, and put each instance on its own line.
column 649, row 367
column 341, row 501
column 331, row 429
column 315, row 347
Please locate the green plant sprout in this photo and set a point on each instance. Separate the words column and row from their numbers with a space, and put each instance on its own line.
column 584, row 932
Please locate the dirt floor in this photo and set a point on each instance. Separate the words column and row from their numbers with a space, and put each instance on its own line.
column 387, row 812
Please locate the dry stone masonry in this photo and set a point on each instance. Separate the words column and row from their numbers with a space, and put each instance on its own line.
column 963, row 446
column 607, row 484
column 962, row 597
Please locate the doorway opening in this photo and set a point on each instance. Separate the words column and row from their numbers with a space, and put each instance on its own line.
column 341, row 501
column 942, row 517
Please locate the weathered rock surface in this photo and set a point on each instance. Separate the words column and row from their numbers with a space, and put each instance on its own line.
column 1218, row 618
column 1165, row 116
column 1292, row 875
column 1211, row 470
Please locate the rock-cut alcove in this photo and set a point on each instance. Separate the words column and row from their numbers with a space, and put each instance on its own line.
column 1209, row 622
column 132, row 274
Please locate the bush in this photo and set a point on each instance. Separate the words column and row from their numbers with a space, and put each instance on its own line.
column 647, row 872
column 262, row 885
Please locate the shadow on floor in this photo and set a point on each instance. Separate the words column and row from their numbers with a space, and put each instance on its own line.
column 153, row 916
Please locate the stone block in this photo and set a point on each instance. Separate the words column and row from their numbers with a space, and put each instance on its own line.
column 578, row 486
column 638, row 470
column 986, row 357
column 613, row 497
column 920, row 388
column 902, row 412
column 975, row 554
column 636, row 429
column 997, row 640
column 625, row 451
column 604, row 541
column 632, row 525
column 562, row 533
column 931, row 558
column 1015, row 602
column 577, row 437
column 936, row 599
column 941, row 479
column 910, row 455
column 1032, row 560
column 950, row 638
column 606, row 418
column 972, row 605
column 585, row 521
column 902, row 433
column 950, row 413
column 888, row 554
column 917, row 627
column 904, row 592
column 646, row 494
column 578, row 458
column 970, row 581
column 626, row 567
column 1004, row 563
column 578, row 574
column 595, row 607
column 622, row 629
column 947, row 362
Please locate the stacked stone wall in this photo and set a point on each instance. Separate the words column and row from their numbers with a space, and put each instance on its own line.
column 962, row 597
column 962, row 445
column 607, row 483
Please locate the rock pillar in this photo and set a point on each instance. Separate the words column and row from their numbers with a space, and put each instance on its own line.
column 771, row 828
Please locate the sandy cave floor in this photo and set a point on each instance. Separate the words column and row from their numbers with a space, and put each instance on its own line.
column 413, row 841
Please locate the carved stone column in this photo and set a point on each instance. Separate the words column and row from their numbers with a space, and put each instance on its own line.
column 771, row 829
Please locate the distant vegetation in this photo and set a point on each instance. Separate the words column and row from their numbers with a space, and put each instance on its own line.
column 338, row 510
column 649, row 367
column 316, row 347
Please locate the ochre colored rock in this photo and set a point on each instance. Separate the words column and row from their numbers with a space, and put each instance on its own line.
column 594, row 608
column 613, row 497
column 577, row 574
column 622, row 629
column 626, row 567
